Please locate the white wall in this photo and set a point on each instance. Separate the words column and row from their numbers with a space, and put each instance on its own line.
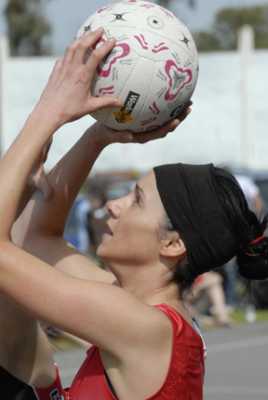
column 211, row 133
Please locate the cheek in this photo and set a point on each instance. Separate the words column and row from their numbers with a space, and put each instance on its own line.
column 136, row 231
column 133, row 239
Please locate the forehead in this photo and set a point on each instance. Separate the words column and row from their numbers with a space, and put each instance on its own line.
column 148, row 184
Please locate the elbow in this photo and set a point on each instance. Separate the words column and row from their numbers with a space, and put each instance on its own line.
column 5, row 239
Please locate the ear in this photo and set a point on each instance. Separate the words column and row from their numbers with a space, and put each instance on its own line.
column 172, row 245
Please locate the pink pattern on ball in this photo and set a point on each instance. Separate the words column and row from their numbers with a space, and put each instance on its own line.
column 142, row 41
column 188, row 76
column 154, row 108
column 103, row 70
column 106, row 90
column 160, row 47
column 148, row 121
column 147, row 5
column 100, row 10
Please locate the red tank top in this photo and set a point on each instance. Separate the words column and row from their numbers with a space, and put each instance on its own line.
column 184, row 379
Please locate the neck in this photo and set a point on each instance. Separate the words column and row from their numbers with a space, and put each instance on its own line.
column 151, row 284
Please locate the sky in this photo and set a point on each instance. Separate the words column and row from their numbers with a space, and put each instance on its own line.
column 66, row 16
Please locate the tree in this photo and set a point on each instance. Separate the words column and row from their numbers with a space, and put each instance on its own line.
column 223, row 35
column 206, row 41
column 229, row 20
column 27, row 27
column 168, row 3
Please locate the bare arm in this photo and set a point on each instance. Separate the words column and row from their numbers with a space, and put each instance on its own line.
column 40, row 227
column 25, row 350
column 27, row 355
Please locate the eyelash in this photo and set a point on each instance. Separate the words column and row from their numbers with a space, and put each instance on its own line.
column 136, row 199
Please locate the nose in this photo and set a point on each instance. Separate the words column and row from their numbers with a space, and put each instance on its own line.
column 113, row 208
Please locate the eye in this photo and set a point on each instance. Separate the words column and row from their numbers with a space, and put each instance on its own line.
column 137, row 198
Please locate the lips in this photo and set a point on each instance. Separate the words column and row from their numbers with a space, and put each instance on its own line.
column 108, row 230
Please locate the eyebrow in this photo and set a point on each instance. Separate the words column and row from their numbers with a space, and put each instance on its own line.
column 141, row 191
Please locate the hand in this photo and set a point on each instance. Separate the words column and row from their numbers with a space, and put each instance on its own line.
column 67, row 95
column 105, row 136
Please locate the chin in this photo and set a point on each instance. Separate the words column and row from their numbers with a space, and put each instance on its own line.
column 99, row 250
column 102, row 251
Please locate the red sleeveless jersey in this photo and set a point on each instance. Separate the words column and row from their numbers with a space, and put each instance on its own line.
column 184, row 379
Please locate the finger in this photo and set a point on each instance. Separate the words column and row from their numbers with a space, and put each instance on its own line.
column 98, row 103
column 69, row 53
column 156, row 133
column 163, row 131
column 91, row 38
column 185, row 111
column 98, row 55
column 86, row 45
column 76, row 51
column 184, row 114
column 56, row 70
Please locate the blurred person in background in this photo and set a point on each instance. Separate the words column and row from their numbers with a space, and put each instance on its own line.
column 207, row 300
column 76, row 230
column 252, row 193
column 256, row 204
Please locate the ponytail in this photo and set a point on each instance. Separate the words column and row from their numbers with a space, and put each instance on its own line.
column 252, row 260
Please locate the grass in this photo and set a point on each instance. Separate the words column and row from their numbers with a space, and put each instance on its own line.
column 238, row 316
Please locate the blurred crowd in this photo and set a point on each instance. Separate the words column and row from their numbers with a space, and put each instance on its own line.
column 214, row 296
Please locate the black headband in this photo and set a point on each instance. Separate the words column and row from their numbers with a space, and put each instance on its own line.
column 189, row 194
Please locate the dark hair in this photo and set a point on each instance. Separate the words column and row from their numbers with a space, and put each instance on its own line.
column 250, row 244
column 252, row 254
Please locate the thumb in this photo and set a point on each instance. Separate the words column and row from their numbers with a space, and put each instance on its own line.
column 97, row 103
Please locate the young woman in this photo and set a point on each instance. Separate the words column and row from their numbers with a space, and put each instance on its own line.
column 179, row 222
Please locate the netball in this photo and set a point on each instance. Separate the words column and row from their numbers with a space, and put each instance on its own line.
column 153, row 68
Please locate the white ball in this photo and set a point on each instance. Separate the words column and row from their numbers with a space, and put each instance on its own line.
column 153, row 68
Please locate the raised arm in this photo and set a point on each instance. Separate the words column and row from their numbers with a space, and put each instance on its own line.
column 24, row 349
column 39, row 230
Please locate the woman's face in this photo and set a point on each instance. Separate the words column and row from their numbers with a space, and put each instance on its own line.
column 133, row 226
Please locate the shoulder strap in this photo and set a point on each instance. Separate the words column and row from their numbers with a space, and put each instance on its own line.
column 173, row 315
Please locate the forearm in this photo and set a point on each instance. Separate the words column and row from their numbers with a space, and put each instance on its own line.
column 17, row 164
column 25, row 197
column 66, row 180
